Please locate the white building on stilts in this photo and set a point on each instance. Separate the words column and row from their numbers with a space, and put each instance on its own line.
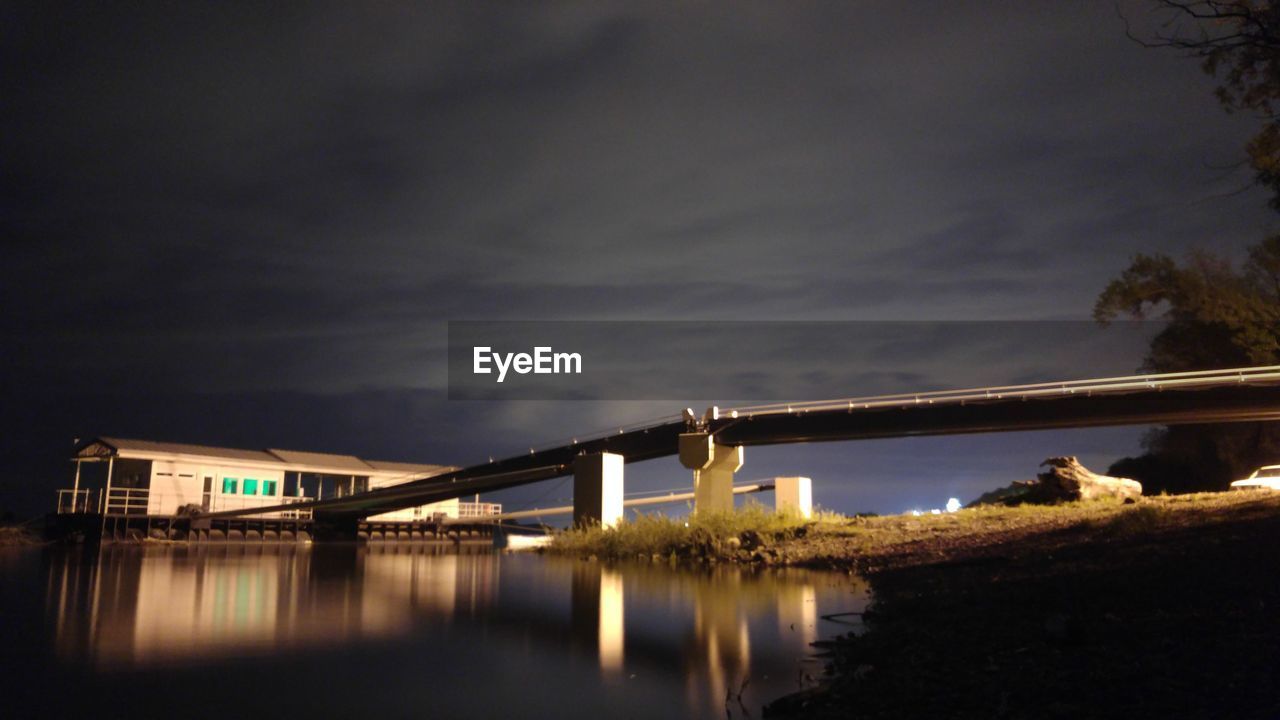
column 115, row 476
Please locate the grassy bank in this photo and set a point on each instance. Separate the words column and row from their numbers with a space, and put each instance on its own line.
column 897, row 541
column 1166, row 608
column 755, row 534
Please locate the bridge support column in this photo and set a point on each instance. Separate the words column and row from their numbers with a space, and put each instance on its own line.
column 597, row 489
column 713, row 467
column 793, row 495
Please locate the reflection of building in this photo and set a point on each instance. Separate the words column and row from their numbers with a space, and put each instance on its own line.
column 694, row 636
column 143, row 477
column 142, row 606
column 235, row 606
column 408, row 582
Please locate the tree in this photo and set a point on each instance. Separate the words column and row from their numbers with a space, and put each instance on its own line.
column 1216, row 317
column 1237, row 42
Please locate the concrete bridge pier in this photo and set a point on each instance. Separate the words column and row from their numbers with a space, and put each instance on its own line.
column 597, row 489
column 713, row 467
column 793, row 495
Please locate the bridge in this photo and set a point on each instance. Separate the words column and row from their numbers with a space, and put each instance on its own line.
column 712, row 445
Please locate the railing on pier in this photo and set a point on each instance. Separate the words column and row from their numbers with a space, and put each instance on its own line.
column 473, row 512
column 478, row 509
column 142, row 501
column 77, row 501
column 131, row 501
column 236, row 502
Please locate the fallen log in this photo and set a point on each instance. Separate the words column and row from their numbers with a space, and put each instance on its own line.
column 1065, row 481
column 1070, row 480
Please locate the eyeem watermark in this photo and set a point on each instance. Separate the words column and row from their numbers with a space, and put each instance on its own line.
column 543, row 361
column 682, row 361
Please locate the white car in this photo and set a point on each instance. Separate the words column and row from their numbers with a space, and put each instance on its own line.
column 1266, row 477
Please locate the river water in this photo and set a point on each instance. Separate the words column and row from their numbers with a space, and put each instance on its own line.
column 237, row 631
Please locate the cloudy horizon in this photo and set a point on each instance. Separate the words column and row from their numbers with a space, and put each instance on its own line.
column 249, row 225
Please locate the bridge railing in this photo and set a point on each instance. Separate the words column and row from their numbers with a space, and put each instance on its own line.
column 396, row 498
column 1118, row 384
column 600, row 434
column 1094, row 386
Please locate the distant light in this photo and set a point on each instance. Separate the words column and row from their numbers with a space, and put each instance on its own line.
column 935, row 511
column 953, row 504
column 916, row 513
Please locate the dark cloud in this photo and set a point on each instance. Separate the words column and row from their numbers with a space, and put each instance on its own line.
column 251, row 199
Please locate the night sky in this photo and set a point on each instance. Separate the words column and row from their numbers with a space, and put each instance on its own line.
column 247, row 224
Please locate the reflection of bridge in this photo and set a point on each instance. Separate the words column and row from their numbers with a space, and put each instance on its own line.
column 145, row 609
column 712, row 445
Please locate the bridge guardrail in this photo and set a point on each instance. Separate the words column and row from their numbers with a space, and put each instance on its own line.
column 1129, row 383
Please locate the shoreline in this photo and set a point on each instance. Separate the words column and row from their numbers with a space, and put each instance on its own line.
column 1161, row 608
column 15, row 536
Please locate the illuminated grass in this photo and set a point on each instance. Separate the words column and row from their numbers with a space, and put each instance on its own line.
column 830, row 538
column 702, row 534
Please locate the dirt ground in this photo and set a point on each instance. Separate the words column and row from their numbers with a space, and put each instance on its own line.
column 1167, row 608
column 12, row 536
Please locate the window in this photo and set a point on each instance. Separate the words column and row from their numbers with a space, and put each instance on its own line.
column 228, row 486
column 250, row 486
column 268, row 487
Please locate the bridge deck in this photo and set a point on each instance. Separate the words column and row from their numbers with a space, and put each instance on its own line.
column 1235, row 395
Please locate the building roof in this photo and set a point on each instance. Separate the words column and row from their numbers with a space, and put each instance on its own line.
column 298, row 457
column 409, row 467
column 288, row 460
column 122, row 445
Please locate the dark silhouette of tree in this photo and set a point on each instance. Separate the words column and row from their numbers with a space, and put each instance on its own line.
column 1237, row 42
column 1216, row 317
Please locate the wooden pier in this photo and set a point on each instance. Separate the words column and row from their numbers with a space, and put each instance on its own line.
column 136, row 528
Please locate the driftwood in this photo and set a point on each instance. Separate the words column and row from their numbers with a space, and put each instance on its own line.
column 1066, row 480
column 1070, row 480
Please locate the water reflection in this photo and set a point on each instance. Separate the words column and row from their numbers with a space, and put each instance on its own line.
column 596, row 613
column 699, row 635
column 721, row 640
